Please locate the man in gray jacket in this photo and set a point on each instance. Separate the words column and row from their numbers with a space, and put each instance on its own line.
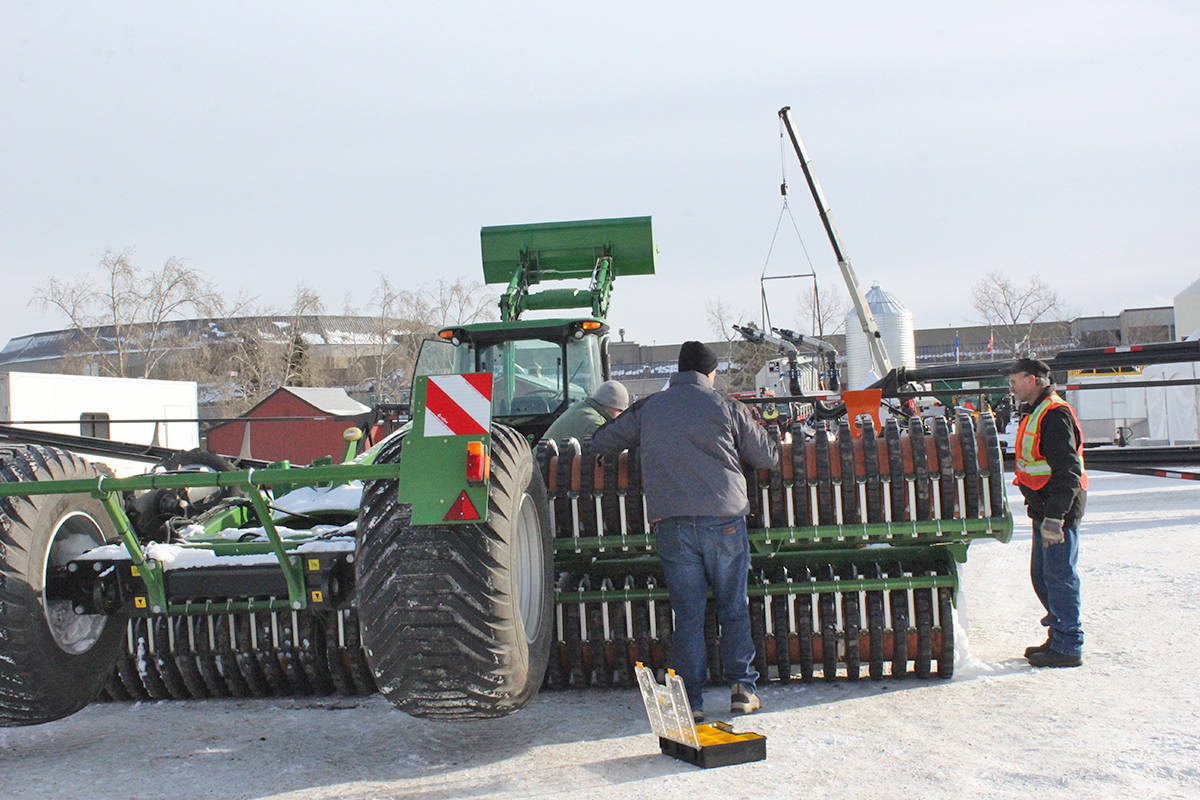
column 693, row 440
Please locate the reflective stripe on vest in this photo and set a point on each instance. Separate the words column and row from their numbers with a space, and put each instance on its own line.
column 1033, row 470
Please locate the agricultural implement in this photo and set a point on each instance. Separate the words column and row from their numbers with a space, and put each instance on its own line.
column 464, row 563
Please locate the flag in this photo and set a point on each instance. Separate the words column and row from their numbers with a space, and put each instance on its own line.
column 956, row 347
column 991, row 339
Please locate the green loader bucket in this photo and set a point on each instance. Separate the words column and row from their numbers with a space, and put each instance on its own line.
column 567, row 250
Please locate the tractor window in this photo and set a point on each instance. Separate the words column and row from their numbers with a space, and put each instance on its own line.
column 436, row 358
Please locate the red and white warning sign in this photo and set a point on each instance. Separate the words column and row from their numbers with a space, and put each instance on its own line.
column 458, row 405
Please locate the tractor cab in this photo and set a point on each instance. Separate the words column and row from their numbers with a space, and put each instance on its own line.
column 542, row 366
column 538, row 367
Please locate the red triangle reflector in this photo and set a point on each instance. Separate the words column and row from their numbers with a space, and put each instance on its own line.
column 463, row 508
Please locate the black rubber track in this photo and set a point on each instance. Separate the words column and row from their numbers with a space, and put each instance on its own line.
column 991, row 441
column 876, row 624
column 898, row 485
column 923, row 611
column 564, row 523
column 845, row 447
column 874, row 487
column 964, row 429
column 947, row 485
column 781, row 628
column 851, row 626
column 40, row 680
column 440, row 606
column 587, row 490
column 945, row 656
column 804, row 627
column 920, row 458
column 827, row 611
column 800, row 493
column 826, row 511
column 777, row 498
column 898, row 600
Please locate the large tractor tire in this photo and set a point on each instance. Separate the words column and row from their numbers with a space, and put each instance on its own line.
column 457, row 619
column 53, row 662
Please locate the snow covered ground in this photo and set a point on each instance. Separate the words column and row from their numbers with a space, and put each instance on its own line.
column 1126, row 724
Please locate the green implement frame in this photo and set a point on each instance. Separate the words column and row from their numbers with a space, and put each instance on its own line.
column 253, row 482
column 596, row 250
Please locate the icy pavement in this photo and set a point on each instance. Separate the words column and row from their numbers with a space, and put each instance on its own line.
column 1125, row 724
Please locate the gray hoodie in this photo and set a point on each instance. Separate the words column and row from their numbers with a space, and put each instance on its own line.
column 692, row 440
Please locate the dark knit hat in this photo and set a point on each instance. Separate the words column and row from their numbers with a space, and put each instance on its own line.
column 695, row 356
column 1034, row 366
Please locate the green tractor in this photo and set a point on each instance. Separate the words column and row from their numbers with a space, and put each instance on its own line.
column 464, row 563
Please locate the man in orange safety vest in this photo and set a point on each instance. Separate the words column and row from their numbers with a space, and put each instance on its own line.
column 1054, row 483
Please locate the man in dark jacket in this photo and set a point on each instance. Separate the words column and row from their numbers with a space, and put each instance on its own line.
column 1054, row 483
column 693, row 441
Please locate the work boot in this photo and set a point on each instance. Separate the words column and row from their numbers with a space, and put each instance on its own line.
column 743, row 700
column 697, row 717
column 1053, row 658
column 1037, row 648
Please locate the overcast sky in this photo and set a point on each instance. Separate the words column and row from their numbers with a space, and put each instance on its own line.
column 270, row 144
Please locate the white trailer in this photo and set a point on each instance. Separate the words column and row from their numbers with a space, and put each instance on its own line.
column 83, row 405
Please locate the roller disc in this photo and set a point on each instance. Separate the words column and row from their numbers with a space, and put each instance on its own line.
column 226, row 656
column 356, row 657
column 335, row 654
column 289, row 652
column 622, row 669
column 313, row 658
column 266, row 654
column 573, row 640
column 247, row 656
column 185, row 656
column 147, row 662
column 206, row 657
column 127, row 671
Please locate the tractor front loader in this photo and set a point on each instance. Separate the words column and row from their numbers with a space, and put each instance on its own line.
column 464, row 563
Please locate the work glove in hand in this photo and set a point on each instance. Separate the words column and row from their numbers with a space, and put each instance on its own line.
column 1052, row 532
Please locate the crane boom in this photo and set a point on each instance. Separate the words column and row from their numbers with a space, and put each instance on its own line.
column 875, row 344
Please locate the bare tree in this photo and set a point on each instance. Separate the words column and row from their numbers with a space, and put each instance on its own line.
column 1013, row 310
column 119, row 321
column 825, row 314
column 743, row 359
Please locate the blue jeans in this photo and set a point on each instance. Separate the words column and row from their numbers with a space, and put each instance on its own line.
column 698, row 554
column 1056, row 582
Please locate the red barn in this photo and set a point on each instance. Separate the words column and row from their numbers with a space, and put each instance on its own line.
column 321, row 415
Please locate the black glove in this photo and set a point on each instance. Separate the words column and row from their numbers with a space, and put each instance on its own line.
column 1052, row 532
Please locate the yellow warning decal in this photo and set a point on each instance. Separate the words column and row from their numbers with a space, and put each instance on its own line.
column 139, row 602
column 318, row 596
column 134, row 571
column 314, row 565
